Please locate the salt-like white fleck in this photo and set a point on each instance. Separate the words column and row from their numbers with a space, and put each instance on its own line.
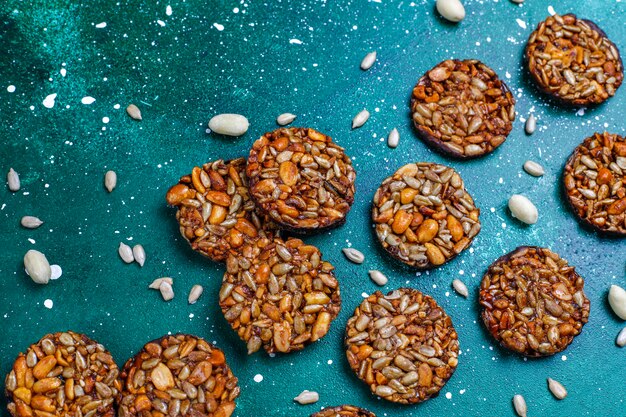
column 521, row 23
column 105, row 120
column 330, row 362
column 563, row 358
column 161, row 23
column 580, row 112
column 364, row 295
column 116, row 106
column 295, row 41
column 56, row 271
column 168, row 10
column 87, row 100
column 48, row 303
column 551, row 10
column 101, row 25
column 48, row 102
column 218, row 26
column 236, row 10
column 63, row 72
column 11, row 88
column 462, row 392
column 449, row 395
column 258, row 378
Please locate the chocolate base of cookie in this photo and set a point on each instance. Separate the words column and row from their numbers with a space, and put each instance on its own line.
column 309, row 231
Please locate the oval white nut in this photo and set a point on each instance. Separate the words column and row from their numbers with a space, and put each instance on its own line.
column 195, row 293
column 531, row 125
column 621, row 338
column 30, row 222
column 353, row 255
column 134, row 112
column 229, row 124
column 557, row 389
column 110, row 180
column 617, row 300
column 37, row 266
column 533, row 168
column 517, row 1
column 378, row 277
column 157, row 282
column 285, row 119
column 126, row 253
column 451, row 10
column 139, row 254
column 360, row 119
column 13, row 180
column 460, row 287
column 523, row 209
column 167, row 292
column 307, row 397
column 394, row 138
column 368, row 61
column 520, row 405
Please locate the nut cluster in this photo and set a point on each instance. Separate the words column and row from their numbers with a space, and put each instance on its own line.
column 301, row 179
column 462, row 108
column 63, row 374
column 279, row 295
column 403, row 345
column 533, row 302
column 423, row 215
column 178, row 375
column 343, row 411
column 595, row 182
column 572, row 60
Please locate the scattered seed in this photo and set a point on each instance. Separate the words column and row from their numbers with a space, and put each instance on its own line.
column 621, row 338
column 523, row 209
column 37, row 266
column 520, row 405
column 617, row 300
column 157, row 282
column 13, row 179
column 368, row 61
column 378, row 277
column 126, row 253
column 557, row 389
column 307, row 397
column 195, row 293
column 110, row 180
column 531, row 125
column 451, row 10
column 30, row 222
column 460, row 288
column 134, row 112
column 533, row 168
column 353, row 255
column 285, row 119
column 229, row 124
column 167, row 292
column 360, row 119
column 394, row 138
column 139, row 254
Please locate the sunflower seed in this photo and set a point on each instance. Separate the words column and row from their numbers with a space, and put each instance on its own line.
column 378, row 277
column 30, row 222
column 533, row 168
column 229, row 124
column 368, row 61
column 523, row 209
column 621, row 338
column 126, row 253
column 139, row 254
column 195, row 293
column 617, row 301
column 394, row 138
column 13, row 180
column 157, row 282
column 360, row 119
column 285, row 119
column 167, row 292
column 531, row 125
column 520, row 405
column 307, row 397
column 557, row 389
column 37, row 266
column 110, row 180
column 353, row 255
column 460, row 288
column 133, row 111
column 451, row 10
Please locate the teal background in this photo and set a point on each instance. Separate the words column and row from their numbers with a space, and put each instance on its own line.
column 186, row 71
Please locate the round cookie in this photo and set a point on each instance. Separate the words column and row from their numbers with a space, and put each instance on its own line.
column 595, row 182
column 344, row 411
column 63, row 374
column 533, row 302
column 301, row 179
column 215, row 212
column 572, row 60
column 423, row 215
column 279, row 295
column 462, row 108
column 402, row 345
column 178, row 375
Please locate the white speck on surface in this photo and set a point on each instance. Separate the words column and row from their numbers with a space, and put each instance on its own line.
column 364, row 295
column 31, row 240
column 191, row 315
column 63, row 72
column 551, row 10
column 218, row 26
column 101, row 25
column 295, row 41
column 48, row 303
column 105, row 120
column 449, row 395
column 258, row 378
column 48, row 102
column 168, row 10
column 161, row 23
column 521, row 23
column 11, row 88
column 564, row 358
column 56, row 272
column 580, row 112
column 236, row 10
column 87, row 100
column 462, row 392
column 330, row 362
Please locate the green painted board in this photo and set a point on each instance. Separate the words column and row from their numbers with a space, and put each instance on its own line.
column 262, row 59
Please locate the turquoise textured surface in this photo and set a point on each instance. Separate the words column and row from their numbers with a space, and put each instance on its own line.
column 261, row 59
